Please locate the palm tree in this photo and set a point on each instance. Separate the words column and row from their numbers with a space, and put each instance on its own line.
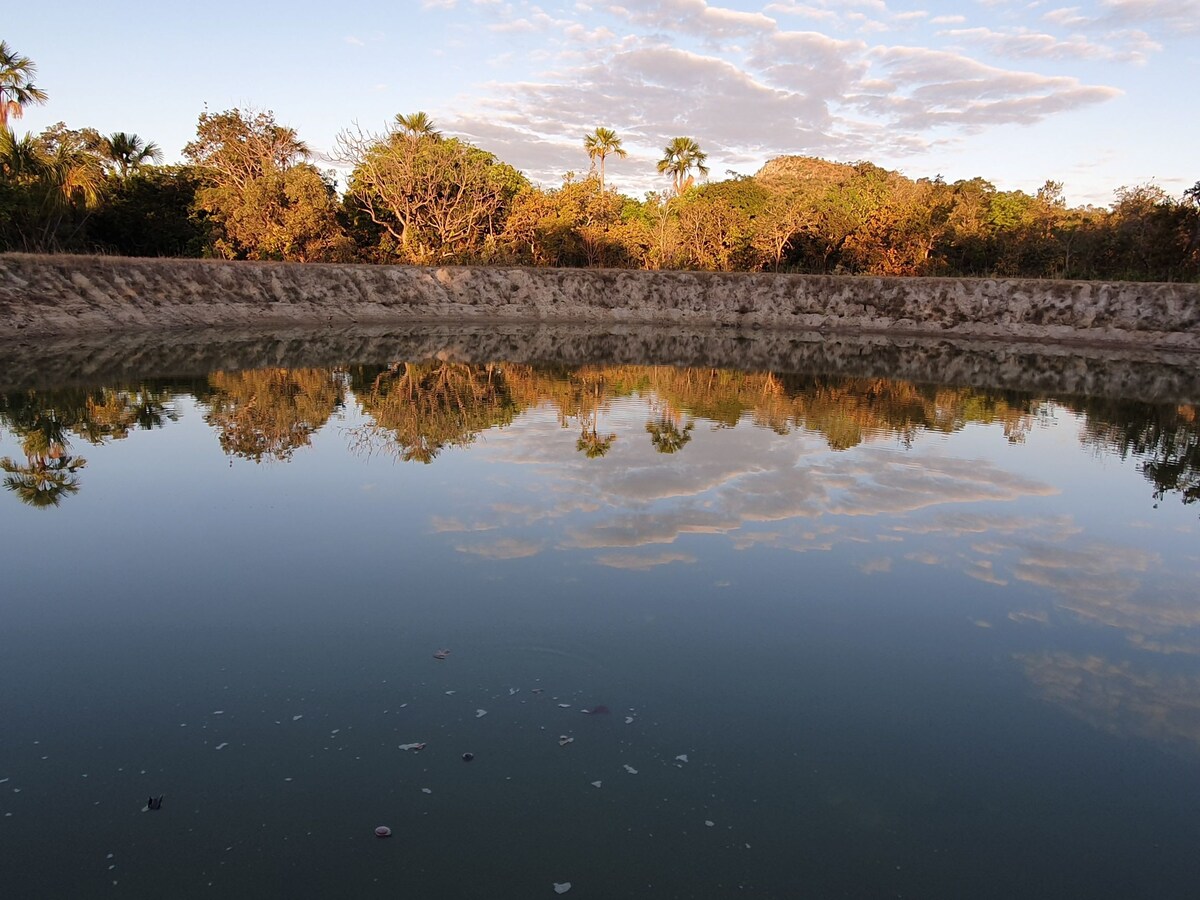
column 416, row 126
column 666, row 436
column 680, row 157
column 599, row 144
column 16, row 87
column 128, row 152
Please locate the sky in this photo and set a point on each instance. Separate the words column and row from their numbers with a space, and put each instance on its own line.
column 1096, row 95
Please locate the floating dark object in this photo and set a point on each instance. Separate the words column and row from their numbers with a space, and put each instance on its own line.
column 155, row 802
column 467, row 757
column 441, row 654
column 600, row 710
column 383, row 831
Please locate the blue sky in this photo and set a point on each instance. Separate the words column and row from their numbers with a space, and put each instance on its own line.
column 1096, row 95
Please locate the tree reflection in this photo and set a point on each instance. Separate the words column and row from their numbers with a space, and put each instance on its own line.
column 667, row 436
column 270, row 413
column 420, row 408
column 1164, row 438
column 49, row 473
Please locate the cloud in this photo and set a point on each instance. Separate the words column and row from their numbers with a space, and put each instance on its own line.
column 639, row 562
column 1022, row 43
column 504, row 548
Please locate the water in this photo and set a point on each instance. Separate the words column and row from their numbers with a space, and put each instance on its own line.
column 914, row 638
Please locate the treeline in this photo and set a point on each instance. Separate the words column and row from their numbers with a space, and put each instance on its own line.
column 250, row 190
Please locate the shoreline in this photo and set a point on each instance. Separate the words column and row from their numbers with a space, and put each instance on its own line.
column 48, row 295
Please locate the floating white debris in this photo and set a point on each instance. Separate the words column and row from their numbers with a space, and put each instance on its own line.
column 426, row 791
column 564, row 706
column 512, row 691
column 562, row 888
column 335, row 731
column 448, row 693
column 563, row 740
column 222, row 745
column 402, row 705
column 218, row 712
column 597, row 783
column 682, row 757
column 709, row 822
column 297, row 718
column 413, row 746
column 630, row 769
column 287, row 779
column 629, row 720
column 480, row 713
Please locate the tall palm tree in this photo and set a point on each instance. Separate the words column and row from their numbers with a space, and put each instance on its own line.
column 416, row 126
column 128, row 152
column 680, row 157
column 599, row 144
column 16, row 86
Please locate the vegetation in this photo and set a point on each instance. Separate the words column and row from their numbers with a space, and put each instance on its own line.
column 249, row 190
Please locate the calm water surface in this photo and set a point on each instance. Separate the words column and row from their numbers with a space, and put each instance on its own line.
column 838, row 637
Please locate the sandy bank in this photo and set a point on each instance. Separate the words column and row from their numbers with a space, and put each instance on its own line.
column 47, row 295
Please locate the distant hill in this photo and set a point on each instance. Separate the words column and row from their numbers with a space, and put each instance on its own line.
column 802, row 173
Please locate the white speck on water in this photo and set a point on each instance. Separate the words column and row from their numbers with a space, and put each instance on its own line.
column 3, row 780
column 629, row 720
column 747, row 846
column 630, row 769
column 709, row 822
column 335, row 731
column 16, row 790
column 562, row 888
column 297, row 718
column 682, row 757
column 512, row 691
column 222, row 745
column 597, row 783
column 564, row 706
column 287, row 779
column 109, row 856
column 480, row 713
column 218, row 712
column 448, row 693
column 426, row 791
column 402, row 705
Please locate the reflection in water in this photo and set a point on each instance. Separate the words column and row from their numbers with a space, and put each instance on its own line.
column 45, row 420
column 270, row 413
column 879, row 581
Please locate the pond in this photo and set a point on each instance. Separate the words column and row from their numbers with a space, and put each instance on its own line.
column 674, row 616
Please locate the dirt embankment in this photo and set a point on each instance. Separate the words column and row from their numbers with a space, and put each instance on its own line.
column 46, row 295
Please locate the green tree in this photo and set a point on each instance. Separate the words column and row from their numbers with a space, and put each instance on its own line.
column 681, row 157
column 601, row 143
column 432, row 199
column 127, row 152
column 17, row 89
column 416, row 126
column 261, row 193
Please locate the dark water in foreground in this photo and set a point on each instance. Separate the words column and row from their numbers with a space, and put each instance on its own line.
column 855, row 636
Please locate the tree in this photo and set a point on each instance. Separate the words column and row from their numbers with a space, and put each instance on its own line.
column 433, row 199
column 599, row 144
column 260, row 191
column 680, row 157
column 17, row 89
column 417, row 125
column 128, row 152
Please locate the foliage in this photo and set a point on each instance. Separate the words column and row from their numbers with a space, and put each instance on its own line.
column 17, row 89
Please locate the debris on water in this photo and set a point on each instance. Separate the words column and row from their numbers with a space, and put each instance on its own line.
column 480, row 713
column 415, row 746
column 222, row 745
column 467, row 757
column 536, row 690
column 297, row 718
column 564, row 706
column 629, row 720
column 218, row 712
column 682, row 757
column 512, row 691
column 564, row 739
column 709, row 822
column 562, row 888
column 426, row 791
column 382, row 831
column 630, row 769
column 448, row 693
column 153, row 803
column 441, row 654
column 600, row 710
column 287, row 779
column 597, row 783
